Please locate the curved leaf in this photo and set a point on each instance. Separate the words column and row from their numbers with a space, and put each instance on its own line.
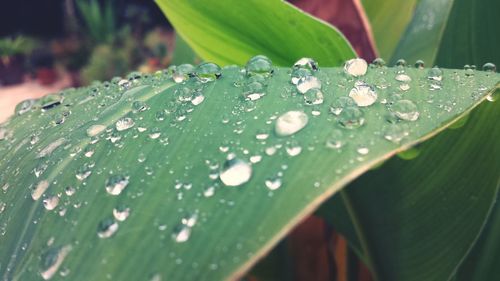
column 226, row 33
column 74, row 166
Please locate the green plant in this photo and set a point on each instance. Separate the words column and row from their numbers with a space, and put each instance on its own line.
column 16, row 46
column 100, row 21
column 194, row 173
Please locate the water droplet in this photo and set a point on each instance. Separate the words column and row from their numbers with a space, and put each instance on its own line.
column 46, row 151
column 50, row 101
column 273, row 183
column 121, row 213
column 261, row 135
column 351, row 118
column 378, row 62
column 155, row 133
column 182, row 73
column 307, row 83
column 254, row 91
column 181, row 234
column 124, row 124
column 339, row 104
column 94, row 130
column 401, row 63
column 435, row 74
column 39, row 190
column 259, row 65
column 139, row 106
column 83, row 172
column 405, row 110
column 299, row 74
column 197, row 99
column 468, row 70
column 255, row 159
column 489, row 67
column 24, row 106
column 363, row 94
column 313, row 97
column 363, row 150
column 306, row 63
column 335, row 140
column 404, row 87
column 290, row 123
column 52, row 260
column 116, row 184
column 51, row 202
column 395, row 133
column 419, row 64
column 293, row 149
column 208, row 72
column 356, row 67
column 209, row 191
column 235, row 172
column 69, row 190
column 403, row 77
column 106, row 228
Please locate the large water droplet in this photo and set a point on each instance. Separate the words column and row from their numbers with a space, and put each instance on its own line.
column 259, row 65
column 351, row 118
column 356, row 67
column 313, row 97
column 40, row 188
column 121, row 213
column 290, row 123
column 124, row 124
column 235, row 172
column 52, row 260
column 435, row 74
column 363, row 94
column 306, row 63
column 405, row 110
column 208, row 72
column 106, row 228
column 182, row 73
column 307, row 83
column 51, row 202
column 489, row 67
column 116, row 184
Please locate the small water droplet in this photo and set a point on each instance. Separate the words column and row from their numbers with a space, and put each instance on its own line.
column 401, row 63
column 124, row 124
column 182, row 72
column 235, row 172
column 51, row 202
column 351, row 118
column 197, row 99
column 306, row 63
column 121, row 213
column 116, row 184
column 290, row 123
column 378, row 62
column 39, row 190
column 419, row 64
column 435, row 74
column 293, row 149
column 405, row 110
column 363, row 94
column 24, row 106
column 313, row 97
column 94, row 130
column 335, row 139
column 307, row 83
column 299, row 74
column 356, row 67
column 46, row 151
column 52, row 260
column 106, row 228
column 208, row 72
column 273, row 183
column 395, row 133
column 490, row 67
column 363, row 150
column 403, row 78
column 339, row 104
column 259, row 65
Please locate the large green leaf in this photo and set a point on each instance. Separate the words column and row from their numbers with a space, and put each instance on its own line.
column 230, row 34
column 425, row 32
column 388, row 19
column 64, row 163
column 472, row 154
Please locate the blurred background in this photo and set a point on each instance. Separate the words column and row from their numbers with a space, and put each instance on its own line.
column 49, row 45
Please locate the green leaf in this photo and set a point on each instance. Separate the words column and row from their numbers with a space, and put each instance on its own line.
column 388, row 19
column 73, row 166
column 182, row 52
column 468, row 25
column 425, row 32
column 225, row 33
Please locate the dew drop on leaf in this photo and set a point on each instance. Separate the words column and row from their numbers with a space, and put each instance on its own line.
column 356, row 67
column 94, row 130
column 124, row 124
column 435, row 74
column 306, row 63
column 52, row 260
column 106, row 228
column 208, row 72
column 259, row 65
column 116, row 184
column 363, row 94
column 235, row 172
column 351, row 118
column 313, row 97
column 290, row 123
column 378, row 62
column 308, row 82
column 405, row 110
column 490, row 67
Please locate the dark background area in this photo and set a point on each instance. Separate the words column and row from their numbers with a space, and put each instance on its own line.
column 45, row 18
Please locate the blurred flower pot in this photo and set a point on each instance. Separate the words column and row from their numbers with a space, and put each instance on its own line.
column 46, row 76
